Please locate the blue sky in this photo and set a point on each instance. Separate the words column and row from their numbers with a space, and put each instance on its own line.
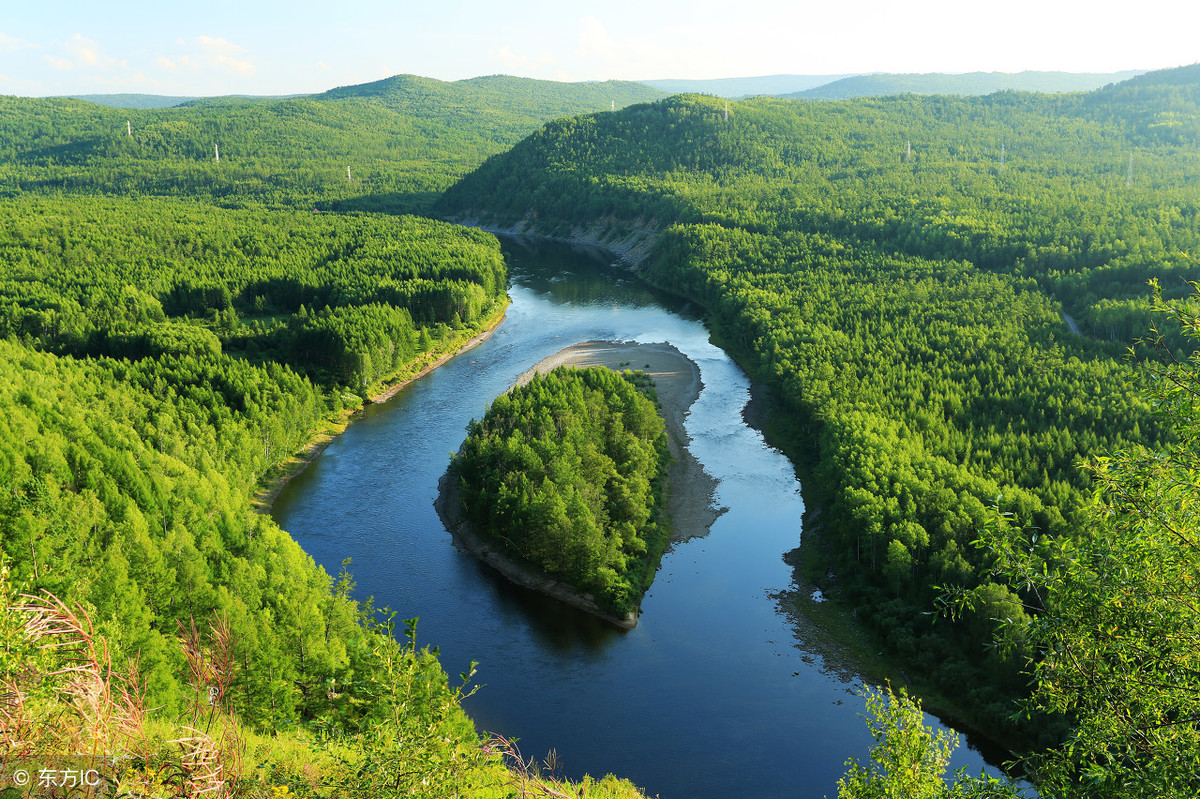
column 251, row 47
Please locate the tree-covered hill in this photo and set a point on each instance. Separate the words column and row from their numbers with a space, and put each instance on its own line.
column 174, row 328
column 745, row 87
column 401, row 139
column 510, row 100
column 897, row 270
column 129, row 100
column 159, row 358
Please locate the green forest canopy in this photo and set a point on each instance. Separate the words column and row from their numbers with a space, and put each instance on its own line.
column 567, row 473
column 402, row 139
column 897, row 270
column 171, row 329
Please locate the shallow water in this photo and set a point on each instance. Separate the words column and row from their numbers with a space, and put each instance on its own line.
column 710, row 695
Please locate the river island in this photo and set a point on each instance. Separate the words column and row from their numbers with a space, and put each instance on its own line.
column 687, row 489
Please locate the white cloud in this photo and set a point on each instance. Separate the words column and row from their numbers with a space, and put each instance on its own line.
column 668, row 51
column 595, row 40
column 59, row 63
column 522, row 64
column 226, row 54
column 85, row 51
column 11, row 44
column 207, row 54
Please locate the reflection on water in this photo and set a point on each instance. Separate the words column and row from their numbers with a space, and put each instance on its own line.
column 709, row 696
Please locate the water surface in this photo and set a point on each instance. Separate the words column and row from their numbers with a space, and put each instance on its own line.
column 709, row 696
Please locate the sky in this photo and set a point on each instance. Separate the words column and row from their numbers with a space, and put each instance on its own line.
column 271, row 47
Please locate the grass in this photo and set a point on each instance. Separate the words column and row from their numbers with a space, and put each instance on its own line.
column 64, row 709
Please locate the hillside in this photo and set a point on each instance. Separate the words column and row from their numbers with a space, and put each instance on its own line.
column 128, row 100
column 522, row 98
column 402, row 140
column 174, row 331
column 896, row 270
column 968, row 83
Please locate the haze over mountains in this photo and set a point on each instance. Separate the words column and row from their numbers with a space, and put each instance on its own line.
column 807, row 87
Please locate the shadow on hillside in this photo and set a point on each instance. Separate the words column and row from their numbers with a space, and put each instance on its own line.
column 402, row 202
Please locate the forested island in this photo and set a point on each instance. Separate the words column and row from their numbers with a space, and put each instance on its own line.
column 566, row 474
column 897, row 271
column 175, row 327
column 179, row 320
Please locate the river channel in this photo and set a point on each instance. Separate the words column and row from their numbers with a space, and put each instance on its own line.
column 712, row 695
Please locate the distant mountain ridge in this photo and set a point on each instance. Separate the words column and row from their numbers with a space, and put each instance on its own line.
column 139, row 101
column 151, row 101
column 538, row 97
column 549, row 96
column 745, row 87
column 969, row 83
column 389, row 144
column 569, row 96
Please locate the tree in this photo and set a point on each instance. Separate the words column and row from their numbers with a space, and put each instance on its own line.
column 1117, row 608
column 909, row 759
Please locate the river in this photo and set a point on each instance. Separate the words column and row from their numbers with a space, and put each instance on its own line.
column 712, row 695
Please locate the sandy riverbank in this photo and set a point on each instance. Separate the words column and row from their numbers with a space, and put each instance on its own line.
column 690, row 489
column 677, row 383
column 629, row 243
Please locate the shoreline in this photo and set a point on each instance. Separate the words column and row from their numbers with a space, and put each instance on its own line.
column 678, row 385
column 689, row 490
column 628, row 244
column 467, row 539
column 262, row 499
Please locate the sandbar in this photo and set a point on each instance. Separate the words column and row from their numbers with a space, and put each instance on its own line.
column 690, row 490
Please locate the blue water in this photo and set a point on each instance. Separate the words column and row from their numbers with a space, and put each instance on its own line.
column 710, row 695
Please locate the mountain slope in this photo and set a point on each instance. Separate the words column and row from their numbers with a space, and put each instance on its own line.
column 128, row 100
column 896, row 269
column 524, row 97
column 402, row 139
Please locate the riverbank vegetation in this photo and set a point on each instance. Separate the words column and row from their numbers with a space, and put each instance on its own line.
column 174, row 326
column 896, row 270
column 161, row 358
column 172, row 330
column 1112, row 613
column 76, row 721
column 566, row 473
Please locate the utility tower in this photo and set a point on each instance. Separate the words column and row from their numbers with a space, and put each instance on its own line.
column 908, row 152
column 614, row 105
column 128, row 128
column 726, row 110
column 348, row 175
column 217, row 154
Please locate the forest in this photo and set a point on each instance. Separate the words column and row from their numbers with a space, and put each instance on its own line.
column 392, row 145
column 173, row 329
column 900, row 271
column 904, row 273
column 567, row 472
